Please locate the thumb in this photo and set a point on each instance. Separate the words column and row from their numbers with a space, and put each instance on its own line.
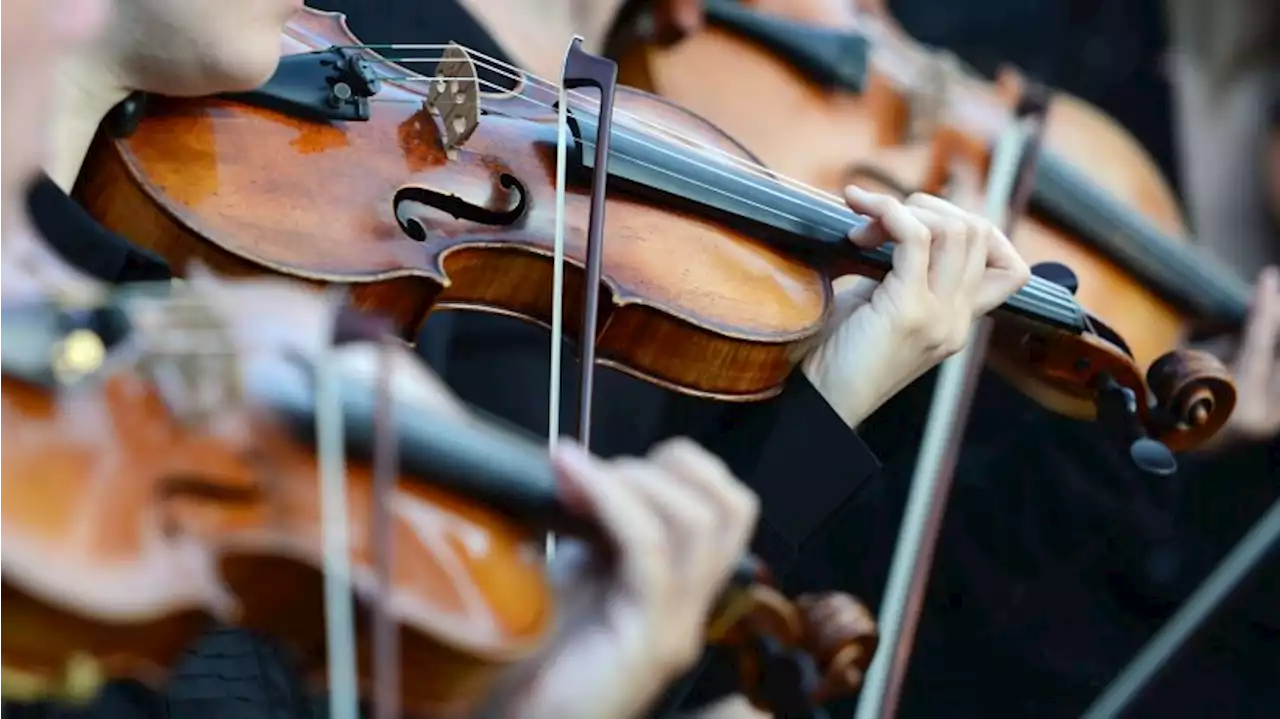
column 1261, row 333
column 687, row 15
column 674, row 20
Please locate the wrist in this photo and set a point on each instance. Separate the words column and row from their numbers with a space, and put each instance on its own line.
column 855, row 393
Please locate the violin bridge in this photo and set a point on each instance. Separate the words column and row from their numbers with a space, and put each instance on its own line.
column 454, row 97
column 928, row 104
column 189, row 355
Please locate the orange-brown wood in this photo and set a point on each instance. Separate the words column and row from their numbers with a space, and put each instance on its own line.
column 832, row 138
column 124, row 533
column 690, row 304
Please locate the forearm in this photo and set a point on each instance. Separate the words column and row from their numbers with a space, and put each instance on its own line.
column 1222, row 133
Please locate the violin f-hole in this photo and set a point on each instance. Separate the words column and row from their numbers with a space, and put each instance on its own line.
column 511, row 190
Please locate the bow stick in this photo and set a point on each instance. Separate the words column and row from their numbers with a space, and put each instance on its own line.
column 580, row 69
column 1007, row 191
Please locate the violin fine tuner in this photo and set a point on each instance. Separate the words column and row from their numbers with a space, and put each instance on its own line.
column 1118, row 416
column 78, row 355
column 77, row 682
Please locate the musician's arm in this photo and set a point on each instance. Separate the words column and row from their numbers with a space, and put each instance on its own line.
column 821, row 519
column 1222, row 130
column 794, row 450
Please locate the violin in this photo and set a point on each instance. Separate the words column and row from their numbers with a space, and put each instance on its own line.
column 863, row 103
column 133, row 514
column 423, row 191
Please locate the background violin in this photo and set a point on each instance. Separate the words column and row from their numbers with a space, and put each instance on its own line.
column 134, row 513
column 861, row 103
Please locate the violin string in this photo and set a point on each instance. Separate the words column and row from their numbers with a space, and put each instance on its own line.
column 506, row 70
column 510, row 72
column 1049, row 296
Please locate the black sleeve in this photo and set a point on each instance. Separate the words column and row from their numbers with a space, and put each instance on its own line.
column 822, row 524
column 798, row 455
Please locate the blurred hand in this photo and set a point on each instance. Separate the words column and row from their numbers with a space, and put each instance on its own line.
column 950, row 267
column 1257, row 369
column 32, row 270
column 680, row 522
column 270, row 318
column 674, row 20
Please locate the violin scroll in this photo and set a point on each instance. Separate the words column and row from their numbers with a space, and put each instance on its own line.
column 793, row 657
column 843, row 636
column 1195, row 394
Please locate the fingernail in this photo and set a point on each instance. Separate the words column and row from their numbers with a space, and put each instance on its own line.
column 855, row 191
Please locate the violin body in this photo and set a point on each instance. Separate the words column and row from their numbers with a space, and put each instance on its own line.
column 88, row 569
column 137, row 507
column 692, row 304
column 126, row 531
column 836, row 136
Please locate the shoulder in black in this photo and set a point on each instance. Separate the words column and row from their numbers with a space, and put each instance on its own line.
column 81, row 241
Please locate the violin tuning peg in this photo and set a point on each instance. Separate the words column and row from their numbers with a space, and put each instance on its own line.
column 1152, row 457
column 1057, row 273
column 788, row 679
column 1118, row 415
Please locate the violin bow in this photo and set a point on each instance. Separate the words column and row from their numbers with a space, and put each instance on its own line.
column 580, row 69
column 335, row 518
column 1009, row 180
column 1262, row 542
column 339, row 609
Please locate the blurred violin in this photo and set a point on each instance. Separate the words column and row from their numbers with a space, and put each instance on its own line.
column 167, row 465
column 834, row 96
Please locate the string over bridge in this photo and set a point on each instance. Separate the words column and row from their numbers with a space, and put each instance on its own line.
column 189, row 354
column 454, row 97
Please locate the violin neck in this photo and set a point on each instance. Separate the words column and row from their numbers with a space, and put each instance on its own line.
column 807, row 224
column 1186, row 278
column 480, row 458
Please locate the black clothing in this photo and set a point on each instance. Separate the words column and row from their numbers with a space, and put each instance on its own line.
column 1056, row 562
